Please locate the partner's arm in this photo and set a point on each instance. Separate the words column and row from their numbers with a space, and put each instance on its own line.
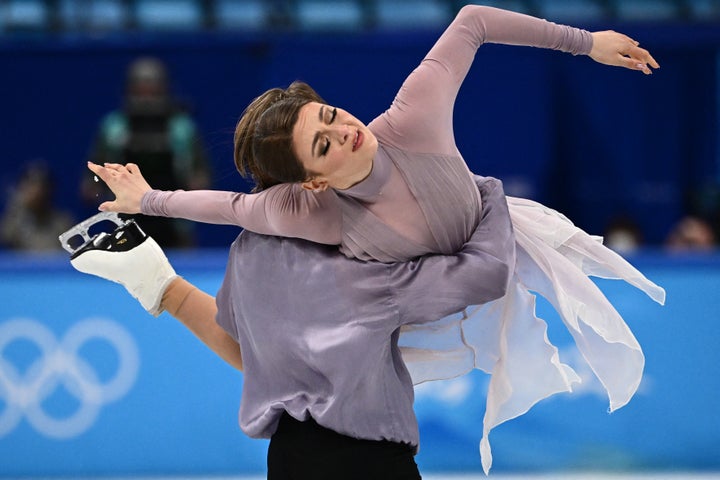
column 437, row 285
column 135, row 261
column 197, row 310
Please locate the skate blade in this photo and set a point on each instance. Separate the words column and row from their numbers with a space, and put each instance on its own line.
column 78, row 236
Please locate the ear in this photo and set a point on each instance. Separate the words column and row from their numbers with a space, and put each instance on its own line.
column 317, row 184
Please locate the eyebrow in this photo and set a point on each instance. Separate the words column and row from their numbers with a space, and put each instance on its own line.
column 317, row 134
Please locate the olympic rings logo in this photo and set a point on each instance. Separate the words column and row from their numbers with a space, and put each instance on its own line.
column 22, row 394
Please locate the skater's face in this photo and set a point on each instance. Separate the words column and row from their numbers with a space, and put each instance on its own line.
column 335, row 148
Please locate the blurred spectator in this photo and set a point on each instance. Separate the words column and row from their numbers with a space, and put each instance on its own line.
column 31, row 222
column 699, row 229
column 691, row 233
column 704, row 203
column 155, row 132
column 623, row 235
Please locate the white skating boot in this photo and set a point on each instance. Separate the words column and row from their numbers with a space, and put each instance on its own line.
column 127, row 256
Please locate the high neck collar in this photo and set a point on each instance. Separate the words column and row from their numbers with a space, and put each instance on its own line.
column 371, row 186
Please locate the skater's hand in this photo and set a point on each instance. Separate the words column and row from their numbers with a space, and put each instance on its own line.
column 616, row 49
column 126, row 182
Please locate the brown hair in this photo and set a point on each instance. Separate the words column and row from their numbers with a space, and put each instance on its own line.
column 263, row 136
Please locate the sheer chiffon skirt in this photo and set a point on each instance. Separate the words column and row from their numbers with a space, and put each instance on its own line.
column 506, row 339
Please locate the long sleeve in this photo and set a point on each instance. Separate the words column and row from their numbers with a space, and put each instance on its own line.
column 435, row 286
column 285, row 210
column 420, row 118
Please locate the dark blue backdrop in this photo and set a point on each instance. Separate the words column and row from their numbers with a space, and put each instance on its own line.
column 589, row 140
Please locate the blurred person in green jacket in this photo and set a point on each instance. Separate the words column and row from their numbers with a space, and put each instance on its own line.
column 154, row 131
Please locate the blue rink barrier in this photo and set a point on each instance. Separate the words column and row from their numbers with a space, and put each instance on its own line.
column 91, row 385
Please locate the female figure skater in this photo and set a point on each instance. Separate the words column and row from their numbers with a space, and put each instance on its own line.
column 398, row 188
column 400, row 180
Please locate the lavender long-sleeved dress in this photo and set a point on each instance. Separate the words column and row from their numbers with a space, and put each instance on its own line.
column 420, row 198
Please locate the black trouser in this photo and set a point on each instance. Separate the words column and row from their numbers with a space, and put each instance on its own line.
column 305, row 450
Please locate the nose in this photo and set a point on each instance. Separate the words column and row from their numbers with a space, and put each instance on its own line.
column 341, row 133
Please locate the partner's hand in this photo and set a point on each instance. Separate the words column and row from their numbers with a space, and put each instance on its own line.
column 126, row 182
column 613, row 48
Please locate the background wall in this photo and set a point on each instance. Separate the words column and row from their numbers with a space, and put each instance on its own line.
column 91, row 385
